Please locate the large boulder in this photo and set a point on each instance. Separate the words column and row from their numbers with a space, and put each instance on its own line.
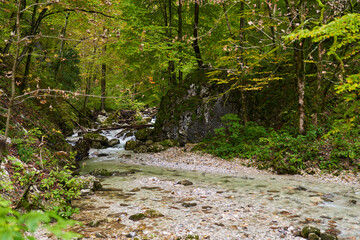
column 94, row 137
column 156, row 147
column 189, row 112
column 130, row 145
column 144, row 134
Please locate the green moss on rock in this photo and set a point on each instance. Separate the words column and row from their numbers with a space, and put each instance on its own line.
column 130, row 145
column 143, row 134
column 96, row 138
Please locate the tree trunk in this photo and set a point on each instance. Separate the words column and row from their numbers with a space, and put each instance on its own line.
column 61, row 51
column 243, row 63
column 227, row 20
column 196, row 42
column 13, row 77
column 171, row 68
column 91, row 76
column 300, row 79
column 180, row 35
column 103, row 83
column 318, row 84
column 25, row 83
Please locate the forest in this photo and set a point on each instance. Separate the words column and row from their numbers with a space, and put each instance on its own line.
column 275, row 82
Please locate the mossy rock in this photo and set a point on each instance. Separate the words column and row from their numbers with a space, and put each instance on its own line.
column 141, row 149
column 309, row 229
column 156, row 147
column 113, row 142
column 144, row 134
column 130, row 145
column 313, row 236
column 94, row 137
column 113, row 118
column 149, row 142
column 327, row 236
column 169, row 143
column 96, row 145
column 137, row 217
column 152, row 213
column 101, row 172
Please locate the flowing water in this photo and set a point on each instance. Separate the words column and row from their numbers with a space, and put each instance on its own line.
column 216, row 206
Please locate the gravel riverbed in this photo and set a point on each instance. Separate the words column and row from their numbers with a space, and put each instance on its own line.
column 225, row 200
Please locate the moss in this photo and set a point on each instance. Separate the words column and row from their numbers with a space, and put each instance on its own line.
column 169, row 143
column 137, row 217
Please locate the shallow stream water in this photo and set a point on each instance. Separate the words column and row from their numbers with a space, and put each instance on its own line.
column 216, row 206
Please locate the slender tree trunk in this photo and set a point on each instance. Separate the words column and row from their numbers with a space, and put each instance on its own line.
column 196, row 41
column 295, row 15
column 300, row 79
column 227, row 20
column 318, row 84
column 13, row 77
column 171, row 68
column 272, row 29
column 25, row 83
column 243, row 63
column 59, row 67
column 33, row 31
column 103, row 83
column 180, row 36
column 320, row 68
column 91, row 76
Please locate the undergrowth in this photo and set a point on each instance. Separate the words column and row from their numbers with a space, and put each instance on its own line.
column 284, row 151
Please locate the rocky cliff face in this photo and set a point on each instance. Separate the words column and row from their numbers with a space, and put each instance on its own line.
column 190, row 112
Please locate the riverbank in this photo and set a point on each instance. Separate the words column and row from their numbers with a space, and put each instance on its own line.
column 183, row 158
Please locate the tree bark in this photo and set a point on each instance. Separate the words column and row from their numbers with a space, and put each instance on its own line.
column 243, row 63
column 25, row 83
column 180, row 35
column 196, row 42
column 13, row 77
column 300, row 79
column 61, row 51
column 103, row 83
column 227, row 20
column 171, row 68
column 91, row 76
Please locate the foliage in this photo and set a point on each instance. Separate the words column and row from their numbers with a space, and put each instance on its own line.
column 283, row 151
column 56, row 185
column 235, row 139
column 14, row 225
